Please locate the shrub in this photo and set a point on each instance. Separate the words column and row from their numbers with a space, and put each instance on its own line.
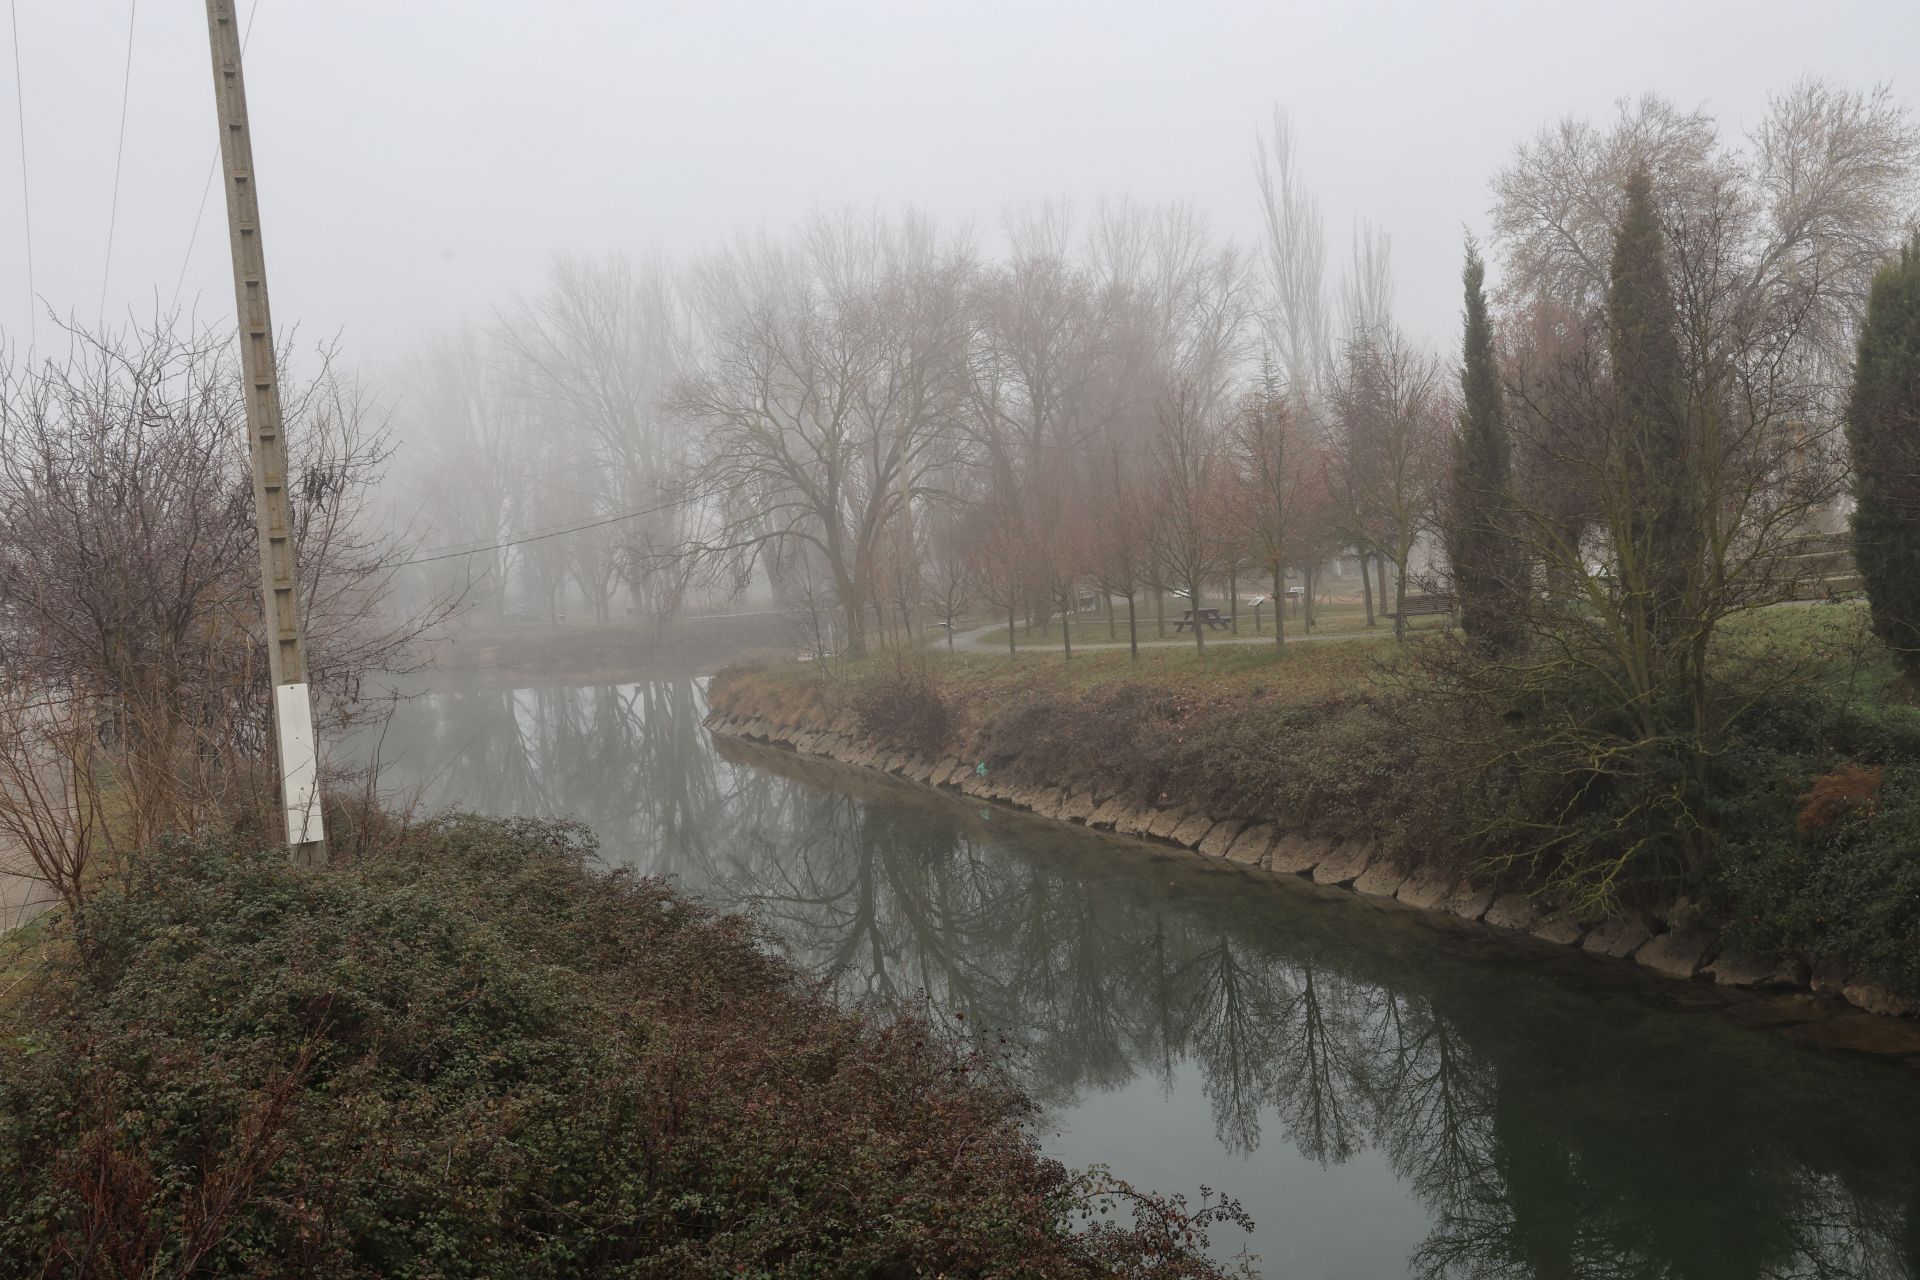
column 905, row 710
column 1851, row 791
column 1346, row 767
column 1112, row 739
column 468, row 1055
column 1847, row 891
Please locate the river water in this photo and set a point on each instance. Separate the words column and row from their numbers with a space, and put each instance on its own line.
column 1385, row 1096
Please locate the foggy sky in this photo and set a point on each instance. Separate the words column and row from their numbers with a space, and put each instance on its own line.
column 420, row 159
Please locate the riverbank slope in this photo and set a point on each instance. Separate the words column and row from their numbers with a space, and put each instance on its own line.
column 1314, row 763
column 462, row 1050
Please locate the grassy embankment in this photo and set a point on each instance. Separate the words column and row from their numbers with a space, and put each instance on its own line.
column 467, row 1053
column 1813, row 797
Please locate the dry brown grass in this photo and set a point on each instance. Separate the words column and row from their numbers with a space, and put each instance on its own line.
column 978, row 688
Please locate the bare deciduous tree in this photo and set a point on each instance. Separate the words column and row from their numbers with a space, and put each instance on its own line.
column 472, row 451
column 129, row 579
column 1298, row 326
column 1189, row 525
column 1390, row 447
column 1802, row 214
column 1282, row 489
column 593, row 356
column 829, row 396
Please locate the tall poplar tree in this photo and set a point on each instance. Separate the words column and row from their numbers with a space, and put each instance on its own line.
column 1656, row 534
column 1488, row 576
column 1883, row 433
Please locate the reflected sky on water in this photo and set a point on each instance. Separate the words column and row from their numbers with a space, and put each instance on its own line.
column 1386, row 1097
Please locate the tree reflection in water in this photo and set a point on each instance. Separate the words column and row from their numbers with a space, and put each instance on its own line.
column 1546, row 1132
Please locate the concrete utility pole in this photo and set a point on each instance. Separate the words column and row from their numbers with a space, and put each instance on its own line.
column 286, row 647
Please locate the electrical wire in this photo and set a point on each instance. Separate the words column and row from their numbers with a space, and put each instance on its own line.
column 456, row 550
column 206, row 188
column 26, row 195
column 119, row 154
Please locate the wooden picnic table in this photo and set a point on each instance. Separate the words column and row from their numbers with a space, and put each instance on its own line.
column 1208, row 617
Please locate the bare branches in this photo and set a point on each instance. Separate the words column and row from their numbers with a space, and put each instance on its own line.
column 1297, row 325
column 1190, row 526
column 128, row 588
column 828, row 401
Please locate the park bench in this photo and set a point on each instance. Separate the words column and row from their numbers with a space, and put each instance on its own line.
column 1422, row 606
column 1208, row 617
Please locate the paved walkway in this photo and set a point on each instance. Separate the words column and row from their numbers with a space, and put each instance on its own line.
column 973, row 641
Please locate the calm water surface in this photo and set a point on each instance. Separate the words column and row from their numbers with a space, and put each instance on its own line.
column 1387, row 1098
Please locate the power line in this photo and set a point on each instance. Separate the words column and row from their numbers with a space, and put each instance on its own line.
column 26, row 197
column 1086, row 447
column 456, row 551
column 113, row 210
column 206, row 188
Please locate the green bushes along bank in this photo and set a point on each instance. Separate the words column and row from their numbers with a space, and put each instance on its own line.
column 1803, row 828
column 469, row 1054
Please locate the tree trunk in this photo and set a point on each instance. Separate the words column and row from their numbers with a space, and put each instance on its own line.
column 1066, row 627
column 1010, row 612
column 1399, row 600
column 1233, row 601
column 1366, row 589
column 1193, row 613
column 1307, row 583
column 1133, row 632
column 1160, row 614
column 1380, row 571
column 1279, row 608
column 1111, row 633
column 856, row 636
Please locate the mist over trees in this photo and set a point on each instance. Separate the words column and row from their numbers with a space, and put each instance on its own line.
column 897, row 427
column 893, row 427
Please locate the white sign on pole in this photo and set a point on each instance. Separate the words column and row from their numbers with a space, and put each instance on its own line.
column 300, row 764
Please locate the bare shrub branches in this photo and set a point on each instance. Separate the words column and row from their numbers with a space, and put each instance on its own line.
column 130, row 649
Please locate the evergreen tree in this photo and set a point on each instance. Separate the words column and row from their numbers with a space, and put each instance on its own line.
column 1657, row 541
column 1883, row 432
column 1488, row 577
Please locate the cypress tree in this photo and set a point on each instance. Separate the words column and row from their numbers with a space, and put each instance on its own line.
column 1659, row 547
column 1488, row 575
column 1883, row 433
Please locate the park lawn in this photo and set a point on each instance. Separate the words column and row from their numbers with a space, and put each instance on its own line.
column 1331, row 619
column 1827, row 648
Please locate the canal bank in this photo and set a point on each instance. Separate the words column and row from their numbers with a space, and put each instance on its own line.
column 1806, row 1004
column 1385, row 1097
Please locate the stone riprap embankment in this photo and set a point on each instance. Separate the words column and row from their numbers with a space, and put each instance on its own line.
column 1820, row 1008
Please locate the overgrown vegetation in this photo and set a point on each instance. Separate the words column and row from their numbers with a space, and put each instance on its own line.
column 1317, row 733
column 1811, row 794
column 905, row 708
column 468, row 1054
column 134, row 692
